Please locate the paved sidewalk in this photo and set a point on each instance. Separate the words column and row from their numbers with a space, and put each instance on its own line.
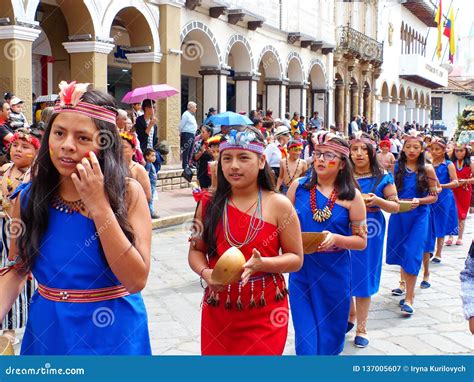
column 173, row 207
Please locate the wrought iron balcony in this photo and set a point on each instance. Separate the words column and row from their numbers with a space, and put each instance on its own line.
column 357, row 44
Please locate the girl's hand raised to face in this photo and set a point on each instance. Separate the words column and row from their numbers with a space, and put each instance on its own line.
column 89, row 182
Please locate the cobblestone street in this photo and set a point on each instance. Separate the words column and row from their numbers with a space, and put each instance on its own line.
column 173, row 296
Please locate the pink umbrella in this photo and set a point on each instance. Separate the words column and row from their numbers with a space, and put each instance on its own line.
column 149, row 92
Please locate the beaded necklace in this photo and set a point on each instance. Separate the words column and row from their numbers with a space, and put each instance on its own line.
column 321, row 215
column 364, row 175
column 459, row 165
column 66, row 206
column 255, row 225
column 288, row 170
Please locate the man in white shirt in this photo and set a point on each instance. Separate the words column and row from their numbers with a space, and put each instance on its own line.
column 316, row 121
column 273, row 151
column 354, row 125
column 187, row 129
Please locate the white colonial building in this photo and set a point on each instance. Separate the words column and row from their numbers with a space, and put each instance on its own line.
column 409, row 74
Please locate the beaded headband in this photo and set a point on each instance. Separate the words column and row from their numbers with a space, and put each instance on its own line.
column 438, row 141
column 70, row 100
column 324, row 139
column 413, row 135
column 294, row 144
column 243, row 140
column 26, row 137
column 130, row 138
column 358, row 137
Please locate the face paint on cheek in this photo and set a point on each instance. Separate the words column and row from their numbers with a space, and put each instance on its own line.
column 332, row 163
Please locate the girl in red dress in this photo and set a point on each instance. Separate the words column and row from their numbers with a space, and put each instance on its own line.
column 461, row 158
column 249, row 317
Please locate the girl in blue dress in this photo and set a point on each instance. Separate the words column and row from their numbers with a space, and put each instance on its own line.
column 408, row 231
column 380, row 193
column 85, row 233
column 443, row 212
column 320, row 293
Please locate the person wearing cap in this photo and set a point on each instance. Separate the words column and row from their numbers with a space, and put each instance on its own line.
column 385, row 157
column 8, row 96
column 212, row 111
column 17, row 118
column 276, row 151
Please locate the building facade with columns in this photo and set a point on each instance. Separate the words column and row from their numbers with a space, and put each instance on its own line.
column 246, row 55
column 230, row 55
column 357, row 60
column 408, row 73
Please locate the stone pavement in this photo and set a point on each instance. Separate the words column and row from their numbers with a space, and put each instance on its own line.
column 173, row 207
column 173, row 296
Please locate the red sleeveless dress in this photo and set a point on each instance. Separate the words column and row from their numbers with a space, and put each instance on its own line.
column 256, row 329
column 462, row 194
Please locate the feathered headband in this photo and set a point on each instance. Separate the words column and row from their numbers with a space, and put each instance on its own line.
column 214, row 140
column 385, row 142
column 70, row 100
column 359, row 137
column 325, row 139
column 26, row 136
column 130, row 138
column 243, row 140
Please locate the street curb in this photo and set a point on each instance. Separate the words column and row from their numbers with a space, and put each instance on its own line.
column 170, row 221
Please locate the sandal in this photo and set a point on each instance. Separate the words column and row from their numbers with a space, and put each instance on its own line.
column 436, row 260
column 448, row 243
column 425, row 284
column 459, row 242
column 407, row 309
column 350, row 325
column 399, row 291
column 361, row 339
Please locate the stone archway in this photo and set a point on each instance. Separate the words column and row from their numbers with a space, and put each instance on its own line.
column 296, row 91
column 271, row 89
column 317, row 99
column 202, row 78
column 241, row 85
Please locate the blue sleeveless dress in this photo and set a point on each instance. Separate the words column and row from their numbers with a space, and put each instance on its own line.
column 367, row 264
column 443, row 213
column 445, row 205
column 408, row 231
column 71, row 257
column 320, row 292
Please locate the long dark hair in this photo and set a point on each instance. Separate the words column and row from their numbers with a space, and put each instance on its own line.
column 375, row 167
column 45, row 181
column 421, row 178
column 345, row 182
column 467, row 157
column 215, row 207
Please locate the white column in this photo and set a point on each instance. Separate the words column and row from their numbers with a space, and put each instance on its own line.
column 393, row 110
column 214, row 83
column 246, row 92
column 401, row 114
column 275, row 97
column 410, row 110
column 384, row 111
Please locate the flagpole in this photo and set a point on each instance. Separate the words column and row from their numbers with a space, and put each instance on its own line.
column 444, row 54
column 442, row 17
